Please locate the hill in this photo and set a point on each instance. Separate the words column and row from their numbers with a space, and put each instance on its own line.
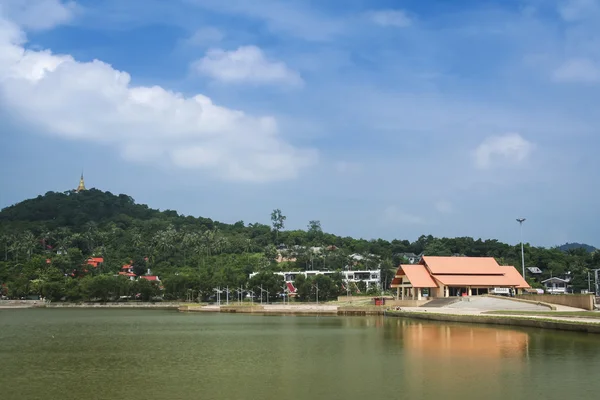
column 44, row 239
column 574, row 246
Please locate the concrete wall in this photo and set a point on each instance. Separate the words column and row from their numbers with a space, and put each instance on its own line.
column 585, row 301
column 406, row 303
column 355, row 298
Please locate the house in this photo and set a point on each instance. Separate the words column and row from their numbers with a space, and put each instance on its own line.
column 94, row 261
column 455, row 276
column 556, row 285
column 534, row 270
column 410, row 258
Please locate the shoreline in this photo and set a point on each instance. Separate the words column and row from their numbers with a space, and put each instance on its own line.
column 555, row 323
column 559, row 322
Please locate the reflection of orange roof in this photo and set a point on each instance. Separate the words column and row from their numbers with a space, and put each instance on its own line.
column 462, row 265
column 418, row 276
column 464, row 341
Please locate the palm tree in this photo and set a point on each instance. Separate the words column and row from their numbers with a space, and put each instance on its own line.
column 28, row 243
column 189, row 241
column 5, row 238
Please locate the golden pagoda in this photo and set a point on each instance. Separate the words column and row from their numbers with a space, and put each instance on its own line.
column 81, row 184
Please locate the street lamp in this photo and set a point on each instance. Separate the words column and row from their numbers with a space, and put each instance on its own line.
column 285, row 293
column 520, row 221
column 219, row 291
column 240, row 293
column 261, row 292
column 227, row 294
column 317, row 287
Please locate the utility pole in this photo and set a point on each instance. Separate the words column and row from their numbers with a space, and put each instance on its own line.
column 520, row 221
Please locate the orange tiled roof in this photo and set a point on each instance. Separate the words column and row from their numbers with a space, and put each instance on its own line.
column 462, row 265
column 509, row 278
column 418, row 276
column 149, row 277
column 516, row 278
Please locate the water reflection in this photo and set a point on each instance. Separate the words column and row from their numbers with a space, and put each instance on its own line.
column 422, row 339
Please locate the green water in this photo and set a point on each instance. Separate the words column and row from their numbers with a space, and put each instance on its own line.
column 148, row 354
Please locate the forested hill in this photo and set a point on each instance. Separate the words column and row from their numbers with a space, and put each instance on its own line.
column 43, row 239
column 575, row 246
column 74, row 210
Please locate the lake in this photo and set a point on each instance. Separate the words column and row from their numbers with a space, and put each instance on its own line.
column 63, row 354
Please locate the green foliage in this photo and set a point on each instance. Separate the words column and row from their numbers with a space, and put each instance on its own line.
column 45, row 241
column 268, row 282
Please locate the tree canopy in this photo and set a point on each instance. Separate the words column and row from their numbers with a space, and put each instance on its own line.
column 45, row 241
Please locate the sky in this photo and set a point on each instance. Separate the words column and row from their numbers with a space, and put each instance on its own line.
column 382, row 119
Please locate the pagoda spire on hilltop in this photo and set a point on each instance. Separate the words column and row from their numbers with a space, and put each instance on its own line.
column 81, row 184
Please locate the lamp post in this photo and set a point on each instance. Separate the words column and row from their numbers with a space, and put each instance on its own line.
column 240, row 293
column 251, row 293
column 520, row 221
column 317, row 287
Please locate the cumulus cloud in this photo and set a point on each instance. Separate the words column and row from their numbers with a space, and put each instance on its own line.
column 509, row 148
column 394, row 18
column 38, row 14
column 395, row 215
column 247, row 64
column 579, row 70
column 57, row 95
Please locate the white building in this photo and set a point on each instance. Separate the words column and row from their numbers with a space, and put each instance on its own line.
column 556, row 285
column 370, row 277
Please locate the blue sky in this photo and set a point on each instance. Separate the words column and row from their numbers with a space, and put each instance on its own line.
column 380, row 118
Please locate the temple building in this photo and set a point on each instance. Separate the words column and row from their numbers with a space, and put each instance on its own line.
column 456, row 276
column 81, row 184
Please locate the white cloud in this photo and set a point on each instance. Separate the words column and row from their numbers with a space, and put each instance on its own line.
column 444, row 207
column 509, row 148
column 38, row 14
column 577, row 70
column 247, row 64
column 395, row 18
column 205, row 36
column 55, row 94
column 574, row 10
column 395, row 215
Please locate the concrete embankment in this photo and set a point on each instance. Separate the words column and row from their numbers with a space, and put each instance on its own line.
column 509, row 320
column 9, row 304
column 276, row 309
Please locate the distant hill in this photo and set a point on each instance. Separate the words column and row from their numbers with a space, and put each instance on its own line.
column 572, row 246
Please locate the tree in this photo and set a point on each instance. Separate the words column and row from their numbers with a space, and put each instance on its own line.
column 315, row 233
column 278, row 221
column 270, row 282
column 146, row 289
column 140, row 266
column 436, row 247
